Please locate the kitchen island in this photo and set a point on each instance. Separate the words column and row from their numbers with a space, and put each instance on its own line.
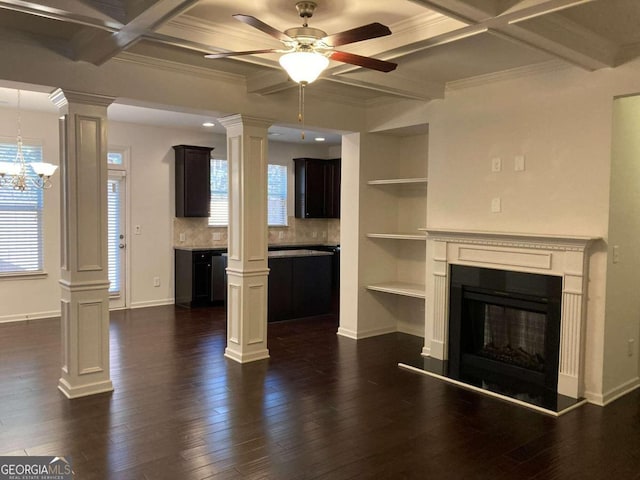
column 300, row 280
column 299, row 284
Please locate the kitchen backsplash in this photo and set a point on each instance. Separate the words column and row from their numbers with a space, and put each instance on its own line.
column 197, row 232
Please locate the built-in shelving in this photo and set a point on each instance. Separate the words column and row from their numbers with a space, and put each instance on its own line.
column 398, row 181
column 399, row 288
column 398, row 236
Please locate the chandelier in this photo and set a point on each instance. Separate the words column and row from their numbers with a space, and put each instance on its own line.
column 14, row 174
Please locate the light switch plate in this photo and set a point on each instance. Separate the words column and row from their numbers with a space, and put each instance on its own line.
column 496, row 164
column 138, row 229
column 496, row 205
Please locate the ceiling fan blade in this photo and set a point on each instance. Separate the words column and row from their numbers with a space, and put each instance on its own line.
column 366, row 62
column 236, row 54
column 365, row 32
column 263, row 27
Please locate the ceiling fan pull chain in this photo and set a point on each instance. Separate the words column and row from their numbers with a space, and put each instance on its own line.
column 301, row 86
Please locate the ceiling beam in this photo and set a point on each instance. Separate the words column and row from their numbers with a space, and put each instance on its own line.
column 534, row 23
column 563, row 38
column 95, row 20
column 392, row 85
column 97, row 47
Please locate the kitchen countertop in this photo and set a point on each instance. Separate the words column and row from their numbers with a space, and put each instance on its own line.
column 297, row 253
column 304, row 246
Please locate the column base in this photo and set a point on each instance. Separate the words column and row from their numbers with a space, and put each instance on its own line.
column 246, row 357
column 84, row 390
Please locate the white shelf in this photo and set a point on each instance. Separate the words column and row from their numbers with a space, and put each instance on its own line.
column 399, row 288
column 399, row 236
column 398, row 181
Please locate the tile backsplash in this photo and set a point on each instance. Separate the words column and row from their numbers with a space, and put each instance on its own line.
column 197, row 233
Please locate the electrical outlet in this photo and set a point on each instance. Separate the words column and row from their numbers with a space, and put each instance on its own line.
column 183, row 236
column 518, row 163
column 496, row 205
column 217, row 235
column 496, row 164
column 314, row 234
column 630, row 346
column 156, row 281
column 280, row 235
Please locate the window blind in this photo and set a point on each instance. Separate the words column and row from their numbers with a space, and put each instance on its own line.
column 21, row 218
column 276, row 194
column 113, row 216
column 219, row 207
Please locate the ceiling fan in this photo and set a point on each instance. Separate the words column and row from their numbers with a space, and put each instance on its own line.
column 307, row 50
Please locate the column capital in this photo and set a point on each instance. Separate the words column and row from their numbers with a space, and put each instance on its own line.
column 244, row 120
column 61, row 98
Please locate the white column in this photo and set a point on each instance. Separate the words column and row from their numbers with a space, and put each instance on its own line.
column 247, row 270
column 438, row 311
column 84, row 276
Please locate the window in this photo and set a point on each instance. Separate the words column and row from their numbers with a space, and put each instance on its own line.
column 21, row 218
column 276, row 194
column 114, row 197
column 115, row 158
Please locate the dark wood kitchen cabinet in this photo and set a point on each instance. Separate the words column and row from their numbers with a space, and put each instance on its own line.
column 317, row 188
column 193, row 184
column 299, row 286
column 200, row 277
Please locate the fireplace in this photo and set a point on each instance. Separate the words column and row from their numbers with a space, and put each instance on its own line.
column 504, row 329
column 554, row 270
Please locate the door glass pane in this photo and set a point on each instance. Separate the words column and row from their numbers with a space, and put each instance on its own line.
column 113, row 202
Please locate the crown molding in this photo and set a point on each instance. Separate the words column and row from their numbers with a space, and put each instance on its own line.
column 170, row 66
column 510, row 74
column 204, row 31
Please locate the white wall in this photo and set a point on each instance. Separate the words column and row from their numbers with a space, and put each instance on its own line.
column 623, row 274
column 152, row 192
column 560, row 118
column 37, row 297
column 281, row 153
column 150, row 184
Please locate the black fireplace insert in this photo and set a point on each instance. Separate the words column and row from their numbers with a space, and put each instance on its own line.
column 504, row 329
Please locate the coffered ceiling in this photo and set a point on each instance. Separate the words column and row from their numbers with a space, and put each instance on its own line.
column 433, row 41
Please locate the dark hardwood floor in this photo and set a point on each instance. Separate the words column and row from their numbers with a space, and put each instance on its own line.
column 321, row 407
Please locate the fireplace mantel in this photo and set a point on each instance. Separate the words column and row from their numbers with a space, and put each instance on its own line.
column 526, row 240
column 561, row 255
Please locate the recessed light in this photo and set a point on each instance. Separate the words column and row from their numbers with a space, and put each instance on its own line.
column 208, row 124
column 319, row 139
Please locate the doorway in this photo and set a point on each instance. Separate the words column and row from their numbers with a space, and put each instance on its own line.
column 117, row 229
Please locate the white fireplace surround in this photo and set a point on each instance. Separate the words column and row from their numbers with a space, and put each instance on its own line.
column 564, row 256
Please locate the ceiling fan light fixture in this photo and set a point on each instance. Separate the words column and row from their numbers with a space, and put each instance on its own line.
column 304, row 67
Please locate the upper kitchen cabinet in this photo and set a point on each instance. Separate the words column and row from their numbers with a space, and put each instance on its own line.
column 317, row 188
column 193, row 189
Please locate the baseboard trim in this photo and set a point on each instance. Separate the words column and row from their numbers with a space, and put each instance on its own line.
column 84, row 390
column 374, row 332
column 152, row 303
column 614, row 394
column 25, row 317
